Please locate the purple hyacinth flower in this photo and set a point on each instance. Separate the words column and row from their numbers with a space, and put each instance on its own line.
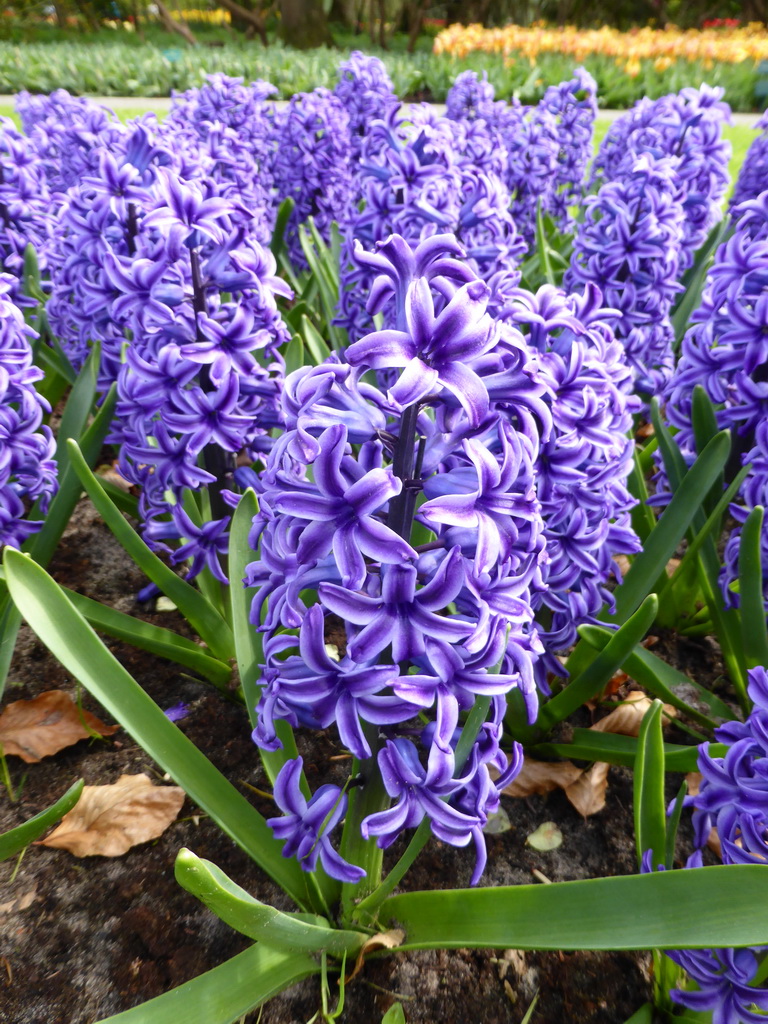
column 493, row 506
column 306, row 826
column 402, row 616
column 341, row 509
column 435, row 349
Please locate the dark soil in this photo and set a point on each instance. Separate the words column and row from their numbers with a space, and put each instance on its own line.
column 83, row 939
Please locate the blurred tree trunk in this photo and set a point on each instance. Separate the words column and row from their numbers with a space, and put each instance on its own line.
column 170, row 24
column 252, row 19
column 304, row 24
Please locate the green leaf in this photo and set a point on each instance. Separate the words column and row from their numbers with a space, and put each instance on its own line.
column 751, row 600
column 596, row 676
column 591, row 745
column 70, row 639
column 694, row 280
column 542, row 248
column 669, row 531
column 201, row 615
column 642, row 1016
column 13, row 841
column 294, row 355
column 643, row 518
column 147, row 637
column 394, row 1015
column 314, row 341
column 660, row 678
column 649, row 804
column 225, row 994
column 711, row 906
column 257, row 920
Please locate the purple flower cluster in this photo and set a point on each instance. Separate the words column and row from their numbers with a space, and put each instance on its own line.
column 726, row 352
column 27, row 469
column 201, row 376
column 753, row 175
column 629, row 246
column 582, row 467
column 367, row 93
column 687, row 128
column 434, row 596
column 312, row 165
column 573, row 104
column 471, row 98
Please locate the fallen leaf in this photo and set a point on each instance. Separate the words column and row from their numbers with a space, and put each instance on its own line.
column 587, row 793
column 382, row 940
column 628, row 715
column 623, row 563
column 546, row 837
column 497, row 823
column 693, row 783
column 538, row 777
column 20, row 903
column 112, row 474
column 33, row 729
column 108, row 820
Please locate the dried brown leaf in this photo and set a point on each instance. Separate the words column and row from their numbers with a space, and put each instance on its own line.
column 628, row 715
column 537, row 777
column 693, row 780
column 108, row 820
column 587, row 793
column 33, row 729
column 382, row 940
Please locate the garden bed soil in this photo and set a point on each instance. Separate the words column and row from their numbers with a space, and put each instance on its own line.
column 81, row 939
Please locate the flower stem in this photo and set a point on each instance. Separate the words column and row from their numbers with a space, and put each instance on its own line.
column 218, row 462
column 368, row 798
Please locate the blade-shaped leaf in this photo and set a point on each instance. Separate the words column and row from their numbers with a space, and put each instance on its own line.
column 257, row 920
column 225, row 994
column 207, row 622
column 661, row 543
column 598, row 673
column 660, row 678
column 751, row 600
column 590, row 745
column 649, row 804
column 69, row 637
column 711, row 906
column 13, row 841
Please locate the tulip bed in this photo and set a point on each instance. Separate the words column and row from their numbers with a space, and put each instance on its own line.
column 422, row 424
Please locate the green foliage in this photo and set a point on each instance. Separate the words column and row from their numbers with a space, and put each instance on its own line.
column 119, row 64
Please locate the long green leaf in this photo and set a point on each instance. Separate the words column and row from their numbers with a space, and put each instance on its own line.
column 660, row 678
column 649, row 803
column 669, row 531
column 751, row 600
column 147, row 637
column 314, row 342
column 16, row 839
column 225, row 994
column 542, row 248
column 694, row 280
column 590, row 745
column 596, row 675
column 43, row 544
column 69, row 638
column 257, row 920
column 711, row 906
column 201, row 615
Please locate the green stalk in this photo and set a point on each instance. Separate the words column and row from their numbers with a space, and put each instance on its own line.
column 368, row 798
